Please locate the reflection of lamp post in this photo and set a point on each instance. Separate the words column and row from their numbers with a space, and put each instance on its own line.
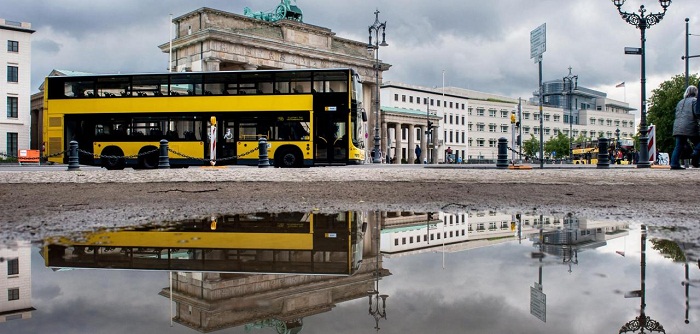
column 573, row 84
column 642, row 22
column 378, row 312
column 643, row 321
column 376, row 27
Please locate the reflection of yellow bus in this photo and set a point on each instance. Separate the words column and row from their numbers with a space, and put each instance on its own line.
column 309, row 117
column 256, row 243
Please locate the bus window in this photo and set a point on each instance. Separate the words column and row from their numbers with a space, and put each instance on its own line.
column 190, row 84
column 220, row 83
column 255, row 83
column 299, row 82
column 151, row 85
column 331, row 82
column 112, row 86
column 79, row 88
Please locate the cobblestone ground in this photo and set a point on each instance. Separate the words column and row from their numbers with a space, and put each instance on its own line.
column 35, row 203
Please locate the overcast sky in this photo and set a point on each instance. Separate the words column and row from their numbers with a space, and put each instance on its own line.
column 480, row 45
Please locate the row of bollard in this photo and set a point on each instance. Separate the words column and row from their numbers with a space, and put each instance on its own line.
column 163, row 158
column 603, row 155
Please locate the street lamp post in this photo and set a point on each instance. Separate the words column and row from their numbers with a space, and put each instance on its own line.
column 643, row 21
column 573, row 84
column 687, row 57
column 375, row 28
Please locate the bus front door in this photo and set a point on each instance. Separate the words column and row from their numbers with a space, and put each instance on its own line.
column 330, row 138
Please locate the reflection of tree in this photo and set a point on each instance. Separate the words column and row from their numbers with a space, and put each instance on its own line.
column 670, row 249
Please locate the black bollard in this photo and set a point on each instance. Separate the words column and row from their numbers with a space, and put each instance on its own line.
column 603, row 156
column 163, row 159
column 502, row 161
column 263, row 161
column 73, row 159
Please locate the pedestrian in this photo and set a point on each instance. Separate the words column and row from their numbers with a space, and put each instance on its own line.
column 449, row 154
column 418, row 152
column 685, row 126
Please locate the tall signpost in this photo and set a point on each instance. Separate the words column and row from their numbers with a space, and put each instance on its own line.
column 538, row 45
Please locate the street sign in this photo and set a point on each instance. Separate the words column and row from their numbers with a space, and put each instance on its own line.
column 538, row 41
column 633, row 51
column 538, row 302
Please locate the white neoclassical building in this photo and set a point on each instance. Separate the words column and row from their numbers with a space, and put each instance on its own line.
column 15, row 71
column 470, row 122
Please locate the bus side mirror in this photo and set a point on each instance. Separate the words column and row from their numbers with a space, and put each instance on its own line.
column 364, row 116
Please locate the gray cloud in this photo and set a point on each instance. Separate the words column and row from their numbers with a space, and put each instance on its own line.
column 480, row 45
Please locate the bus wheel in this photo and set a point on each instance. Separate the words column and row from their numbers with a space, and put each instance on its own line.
column 149, row 161
column 288, row 158
column 110, row 158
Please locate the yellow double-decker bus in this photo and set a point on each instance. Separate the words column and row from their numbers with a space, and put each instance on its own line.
column 309, row 117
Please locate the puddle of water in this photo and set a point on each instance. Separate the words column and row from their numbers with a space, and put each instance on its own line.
column 473, row 272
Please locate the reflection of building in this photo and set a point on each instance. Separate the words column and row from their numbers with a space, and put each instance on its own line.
column 577, row 234
column 407, row 233
column 16, row 282
column 212, row 301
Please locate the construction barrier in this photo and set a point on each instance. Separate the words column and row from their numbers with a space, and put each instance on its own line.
column 28, row 157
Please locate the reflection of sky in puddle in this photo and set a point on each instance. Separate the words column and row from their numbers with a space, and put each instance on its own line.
column 481, row 279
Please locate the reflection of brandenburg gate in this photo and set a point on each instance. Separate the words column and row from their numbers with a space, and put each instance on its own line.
column 212, row 40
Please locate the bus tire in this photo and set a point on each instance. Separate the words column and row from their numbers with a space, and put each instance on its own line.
column 112, row 163
column 151, row 160
column 288, row 158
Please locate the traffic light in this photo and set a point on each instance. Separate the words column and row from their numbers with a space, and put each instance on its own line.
column 512, row 117
column 517, row 141
column 430, row 125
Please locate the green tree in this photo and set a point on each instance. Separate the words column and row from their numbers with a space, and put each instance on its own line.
column 662, row 109
column 531, row 146
column 558, row 144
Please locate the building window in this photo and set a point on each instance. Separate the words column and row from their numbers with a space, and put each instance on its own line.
column 526, row 129
column 479, row 112
column 438, row 103
column 504, row 128
column 470, row 111
column 546, row 117
column 492, row 127
column 462, row 106
column 432, row 102
column 12, row 107
column 12, row 142
column 480, row 142
column 480, row 127
column 557, row 118
column 526, row 115
column 450, row 104
column 403, row 98
column 12, row 46
column 469, row 126
column 410, row 99
column 504, row 113
column 462, row 120
column 463, row 137
column 13, row 294
column 396, row 97
column 492, row 113
column 492, row 142
column 13, row 267
column 12, row 74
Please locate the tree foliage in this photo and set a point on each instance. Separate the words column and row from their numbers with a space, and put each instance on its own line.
column 531, row 147
column 559, row 144
column 662, row 109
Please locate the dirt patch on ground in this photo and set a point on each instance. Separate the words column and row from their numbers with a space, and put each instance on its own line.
column 39, row 203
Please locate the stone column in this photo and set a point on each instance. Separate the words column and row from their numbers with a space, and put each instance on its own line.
column 383, row 143
column 434, row 160
column 411, row 144
column 397, row 133
column 423, row 143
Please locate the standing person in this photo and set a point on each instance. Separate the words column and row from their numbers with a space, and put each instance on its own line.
column 685, row 126
column 449, row 154
column 418, row 152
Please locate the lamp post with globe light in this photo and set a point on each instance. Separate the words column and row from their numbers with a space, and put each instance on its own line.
column 374, row 48
column 643, row 21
